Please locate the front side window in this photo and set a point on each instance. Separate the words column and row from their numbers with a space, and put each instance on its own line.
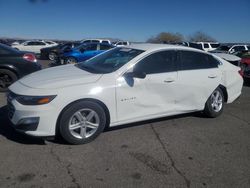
column 104, row 47
column 196, row 60
column 158, row 62
column 109, row 61
column 206, row 45
column 91, row 47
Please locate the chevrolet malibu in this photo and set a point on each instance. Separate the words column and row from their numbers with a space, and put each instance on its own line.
column 123, row 85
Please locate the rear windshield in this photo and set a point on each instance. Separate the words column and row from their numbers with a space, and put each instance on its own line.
column 4, row 49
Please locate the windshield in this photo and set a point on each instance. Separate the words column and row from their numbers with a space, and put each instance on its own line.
column 109, row 61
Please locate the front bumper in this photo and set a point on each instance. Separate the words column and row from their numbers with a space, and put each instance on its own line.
column 33, row 120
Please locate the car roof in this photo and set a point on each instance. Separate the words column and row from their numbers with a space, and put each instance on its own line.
column 154, row 47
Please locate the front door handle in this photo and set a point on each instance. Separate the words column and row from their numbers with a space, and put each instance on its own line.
column 169, row 80
column 212, row 76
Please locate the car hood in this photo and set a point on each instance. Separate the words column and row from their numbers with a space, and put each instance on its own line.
column 58, row 77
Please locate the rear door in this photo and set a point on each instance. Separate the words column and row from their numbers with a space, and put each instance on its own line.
column 198, row 76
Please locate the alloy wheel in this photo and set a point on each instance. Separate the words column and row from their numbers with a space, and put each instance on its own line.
column 84, row 123
column 216, row 101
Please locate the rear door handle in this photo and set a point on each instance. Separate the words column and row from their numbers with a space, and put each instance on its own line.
column 169, row 80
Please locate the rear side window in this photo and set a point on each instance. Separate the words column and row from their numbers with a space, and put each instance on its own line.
column 195, row 60
column 158, row 62
column 91, row 47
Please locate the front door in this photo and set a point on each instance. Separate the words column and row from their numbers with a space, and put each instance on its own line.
column 152, row 96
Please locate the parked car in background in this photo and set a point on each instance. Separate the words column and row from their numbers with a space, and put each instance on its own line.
column 209, row 46
column 33, row 46
column 233, row 59
column 15, row 64
column 104, row 41
column 121, row 86
column 52, row 53
column 121, row 43
column 221, row 49
column 245, row 66
column 239, row 48
column 84, row 52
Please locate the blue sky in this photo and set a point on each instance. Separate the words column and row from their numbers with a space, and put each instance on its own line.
column 134, row 20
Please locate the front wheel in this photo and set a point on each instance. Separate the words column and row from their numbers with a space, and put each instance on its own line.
column 215, row 104
column 82, row 122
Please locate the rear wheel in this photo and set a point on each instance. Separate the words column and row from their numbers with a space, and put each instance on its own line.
column 7, row 77
column 71, row 60
column 215, row 104
column 52, row 56
column 82, row 122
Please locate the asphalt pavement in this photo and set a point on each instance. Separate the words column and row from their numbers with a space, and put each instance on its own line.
column 182, row 151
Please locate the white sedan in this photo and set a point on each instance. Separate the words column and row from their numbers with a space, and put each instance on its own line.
column 123, row 85
column 33, row 46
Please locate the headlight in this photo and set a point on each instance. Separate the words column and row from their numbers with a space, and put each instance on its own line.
column 35, row 100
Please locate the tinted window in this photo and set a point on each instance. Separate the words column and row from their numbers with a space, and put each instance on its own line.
column 195, row 60
column 91, row 47
column 4, row 50
column 105, row 42
column 157, row 63
column 31, row 43
column 239, row 48
column 86, row 41
column 95, row 41
column 206, row 45
column 195, row 45
column 215, row 45
column 104, row 47
column 224, row 48
column 40, row 43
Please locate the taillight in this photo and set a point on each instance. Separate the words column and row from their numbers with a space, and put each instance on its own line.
column 30, row 57
column 241, row 72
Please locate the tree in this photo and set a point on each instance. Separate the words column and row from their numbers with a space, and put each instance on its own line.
column 166, row 37
column 201, row 37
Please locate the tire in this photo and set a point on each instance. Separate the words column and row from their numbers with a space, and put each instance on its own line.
column 215, row 104
column 71, row 60
column 7, row 78
column 52, row 56
column 82, row 122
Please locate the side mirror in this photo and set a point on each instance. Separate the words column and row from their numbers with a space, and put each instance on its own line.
column 135, row 74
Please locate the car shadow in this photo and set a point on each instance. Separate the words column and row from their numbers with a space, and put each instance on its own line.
column 8, row 132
